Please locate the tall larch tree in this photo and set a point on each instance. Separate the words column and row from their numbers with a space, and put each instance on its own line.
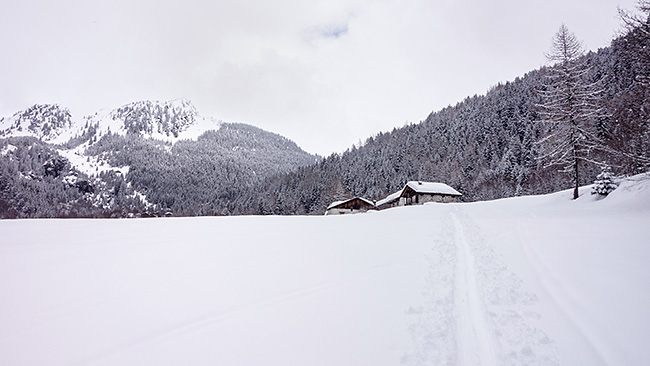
column 570, row 105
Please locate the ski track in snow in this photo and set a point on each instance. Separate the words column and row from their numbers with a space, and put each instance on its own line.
column 473, row 341
column 475, row 310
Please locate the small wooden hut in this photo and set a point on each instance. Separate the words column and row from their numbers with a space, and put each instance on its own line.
column 350, row 206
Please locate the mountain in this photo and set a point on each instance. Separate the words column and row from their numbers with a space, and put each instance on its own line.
column 142, row 158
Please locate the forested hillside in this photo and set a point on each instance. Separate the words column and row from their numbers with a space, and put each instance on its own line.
column 487, row 146
column 144, row 158
column 205, row 176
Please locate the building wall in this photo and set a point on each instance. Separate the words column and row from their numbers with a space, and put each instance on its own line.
column 424, row 198
column 450, row 199
column 389, row 205
column 343, row 211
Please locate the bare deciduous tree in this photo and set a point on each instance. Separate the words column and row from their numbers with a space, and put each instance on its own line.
column 570, row 106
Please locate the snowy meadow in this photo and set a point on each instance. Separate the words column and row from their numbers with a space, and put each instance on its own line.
column 539, row 280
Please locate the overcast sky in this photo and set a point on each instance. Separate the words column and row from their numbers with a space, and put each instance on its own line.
column 322, row 73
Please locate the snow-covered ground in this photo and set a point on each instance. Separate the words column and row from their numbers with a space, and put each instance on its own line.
column 524, row 281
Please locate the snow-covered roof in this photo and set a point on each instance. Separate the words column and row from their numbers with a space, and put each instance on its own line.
column 432, row 188
column 390, row 198
column 421, row 187
column 337, row 203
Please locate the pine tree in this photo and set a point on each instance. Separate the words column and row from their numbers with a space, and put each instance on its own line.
column 604, row 183
column 570, row 106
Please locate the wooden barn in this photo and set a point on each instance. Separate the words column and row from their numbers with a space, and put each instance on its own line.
column 417, row 193
column 350, row 206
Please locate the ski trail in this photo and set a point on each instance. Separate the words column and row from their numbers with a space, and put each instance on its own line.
column 475, row 310
column 473, row 335
column 507, row 307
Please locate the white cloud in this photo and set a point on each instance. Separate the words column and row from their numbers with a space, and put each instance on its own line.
column 324, row 73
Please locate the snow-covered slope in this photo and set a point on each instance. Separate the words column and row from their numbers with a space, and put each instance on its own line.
column 169, row 121
column 47, row 122
column 525, row 281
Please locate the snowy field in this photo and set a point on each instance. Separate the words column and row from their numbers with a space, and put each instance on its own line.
column 525, row 281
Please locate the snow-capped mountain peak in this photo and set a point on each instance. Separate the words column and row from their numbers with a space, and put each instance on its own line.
column 43, row 121
column 169, row 121
column 156, row 118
